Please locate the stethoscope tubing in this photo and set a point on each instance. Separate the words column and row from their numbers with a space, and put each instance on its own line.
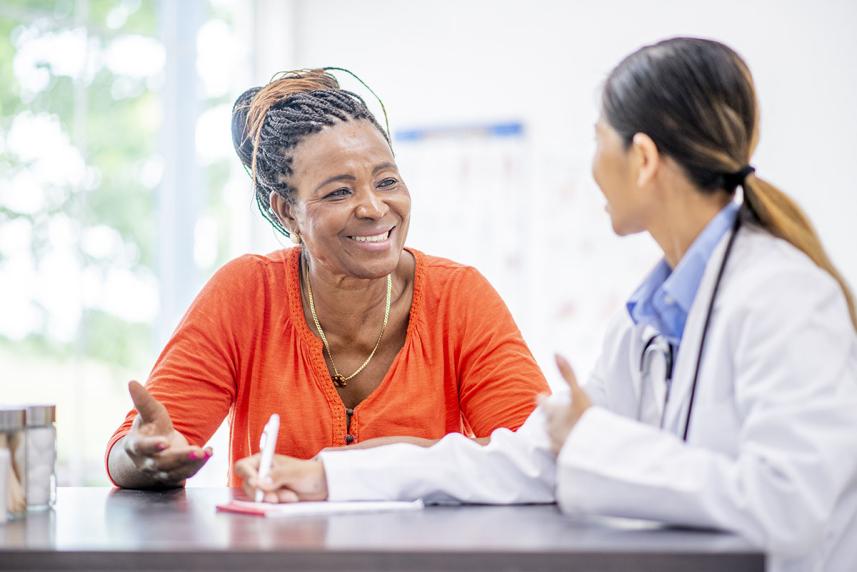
column 735, row 227
column 669, row 353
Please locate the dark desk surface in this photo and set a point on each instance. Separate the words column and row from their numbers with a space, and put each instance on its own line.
column 105, row 529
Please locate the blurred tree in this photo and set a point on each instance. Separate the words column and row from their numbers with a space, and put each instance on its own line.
column 79, row 119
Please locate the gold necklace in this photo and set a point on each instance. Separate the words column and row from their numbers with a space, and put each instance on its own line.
column 338, row 379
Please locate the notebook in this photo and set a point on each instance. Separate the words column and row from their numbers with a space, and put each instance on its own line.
column 316, row 508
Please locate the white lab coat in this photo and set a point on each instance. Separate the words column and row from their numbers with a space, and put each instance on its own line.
column 772, row 449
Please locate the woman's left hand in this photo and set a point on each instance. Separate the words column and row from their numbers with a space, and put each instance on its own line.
column 561, row 419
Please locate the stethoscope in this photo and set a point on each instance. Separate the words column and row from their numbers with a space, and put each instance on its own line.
column 657, row 346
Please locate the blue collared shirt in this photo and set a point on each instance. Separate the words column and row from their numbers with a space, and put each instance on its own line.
column 664, row 298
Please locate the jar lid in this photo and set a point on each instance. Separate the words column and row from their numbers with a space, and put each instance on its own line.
column 40, row 415
column 12, row 418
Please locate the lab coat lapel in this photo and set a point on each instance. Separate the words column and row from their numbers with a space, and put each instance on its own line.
column 686, row 363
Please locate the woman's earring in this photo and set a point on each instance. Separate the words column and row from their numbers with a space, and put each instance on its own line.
column 296, row 237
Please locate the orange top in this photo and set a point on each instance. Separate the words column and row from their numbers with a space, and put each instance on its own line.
column 244, row 349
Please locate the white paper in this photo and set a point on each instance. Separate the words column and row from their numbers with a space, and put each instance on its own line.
column 324, row 508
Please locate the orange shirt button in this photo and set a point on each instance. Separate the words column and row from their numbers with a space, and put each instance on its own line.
column 349, row 439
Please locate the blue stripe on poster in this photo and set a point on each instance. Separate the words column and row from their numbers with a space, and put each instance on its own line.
column 488, row 130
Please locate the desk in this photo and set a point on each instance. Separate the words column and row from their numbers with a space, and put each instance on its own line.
column 106, row 529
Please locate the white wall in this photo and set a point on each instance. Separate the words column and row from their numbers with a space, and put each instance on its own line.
column 444, row 62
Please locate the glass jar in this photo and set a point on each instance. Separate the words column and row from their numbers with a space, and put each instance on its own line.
column 5, row 467
column 12, row 440
column 41, row 456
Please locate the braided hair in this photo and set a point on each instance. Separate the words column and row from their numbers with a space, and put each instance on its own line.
column 268, row 123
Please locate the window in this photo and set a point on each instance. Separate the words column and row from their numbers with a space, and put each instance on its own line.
column 91, row 180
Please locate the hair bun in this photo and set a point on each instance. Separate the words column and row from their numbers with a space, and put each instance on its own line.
column 240, row 139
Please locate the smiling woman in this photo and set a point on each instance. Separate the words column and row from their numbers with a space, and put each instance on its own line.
column 352, row 338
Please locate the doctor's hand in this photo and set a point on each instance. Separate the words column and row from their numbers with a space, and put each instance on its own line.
column 290, row 479
column 562, row 418
column 160, row 453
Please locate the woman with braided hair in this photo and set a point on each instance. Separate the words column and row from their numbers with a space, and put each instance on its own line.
column 351, row 338
column 726, row 393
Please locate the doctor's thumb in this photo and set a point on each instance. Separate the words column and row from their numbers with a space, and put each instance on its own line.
column 566, row 372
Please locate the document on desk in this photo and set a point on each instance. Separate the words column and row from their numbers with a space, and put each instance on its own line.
column 316, row 508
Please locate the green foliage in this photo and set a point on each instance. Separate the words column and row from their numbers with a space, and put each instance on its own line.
column 116, row 136
column 113, row 340
column 10, row 103
column 113, row 121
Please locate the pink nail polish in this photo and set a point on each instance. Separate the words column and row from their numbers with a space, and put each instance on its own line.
column 193, row 456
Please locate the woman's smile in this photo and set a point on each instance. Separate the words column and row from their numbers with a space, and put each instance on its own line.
column 373, row 241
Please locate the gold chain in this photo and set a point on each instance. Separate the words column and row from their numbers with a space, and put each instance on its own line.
column 338, row 379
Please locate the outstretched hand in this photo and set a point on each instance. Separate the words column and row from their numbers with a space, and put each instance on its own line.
column 561, row 419
column 155, row 447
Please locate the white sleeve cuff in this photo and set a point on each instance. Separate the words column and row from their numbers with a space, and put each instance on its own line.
column 365, row 474
column 586, row 441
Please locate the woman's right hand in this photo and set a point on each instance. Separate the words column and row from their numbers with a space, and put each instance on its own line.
column 290, row 479
column 156, row 449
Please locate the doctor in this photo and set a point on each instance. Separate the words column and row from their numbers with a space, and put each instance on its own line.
column 726, row 393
